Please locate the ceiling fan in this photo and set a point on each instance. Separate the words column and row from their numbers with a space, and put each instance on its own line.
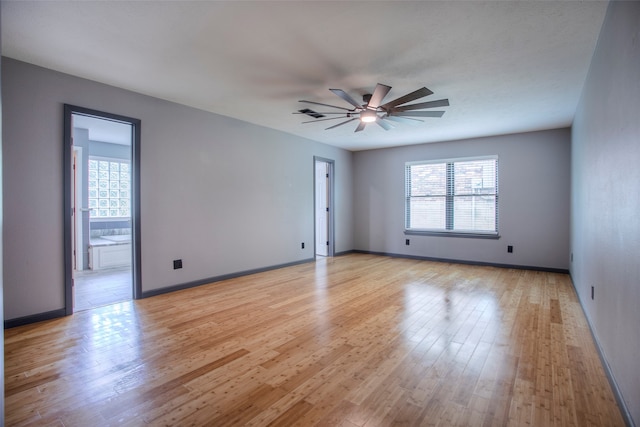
column 373, row 110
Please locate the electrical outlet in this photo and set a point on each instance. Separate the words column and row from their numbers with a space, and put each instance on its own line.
column 510, row 249
column 406, row 242
column 302, row 245
column 177, row 263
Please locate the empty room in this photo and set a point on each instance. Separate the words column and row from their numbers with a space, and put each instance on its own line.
column 331, row 213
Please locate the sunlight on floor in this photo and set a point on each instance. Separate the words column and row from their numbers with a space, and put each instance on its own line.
column 102, row 287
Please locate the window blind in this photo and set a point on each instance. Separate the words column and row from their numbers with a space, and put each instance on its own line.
column 452, row 196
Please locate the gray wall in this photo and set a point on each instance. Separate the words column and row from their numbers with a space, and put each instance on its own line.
column 605, row 226
column 107, row 149
column 1, row 250
column 224, row 195
column 533, row 200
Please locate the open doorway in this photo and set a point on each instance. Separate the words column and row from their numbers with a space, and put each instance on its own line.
column 323, row 202
column 102, row 220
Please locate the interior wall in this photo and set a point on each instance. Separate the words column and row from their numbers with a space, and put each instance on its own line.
column 605, row 225
column 1, row 247
column 223, row 195
column 533, row 181
column 109, row 150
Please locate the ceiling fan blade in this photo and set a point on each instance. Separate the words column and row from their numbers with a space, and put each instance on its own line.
column 344, row 95
column 342, row 123
column 420, row 93
column 409, row 120
column 326, row 105
column 322, row 120
column 420, row 106
column 378, row 95
column 361, row 126
column 417, row 114
column 383, row 124
column 325, row 112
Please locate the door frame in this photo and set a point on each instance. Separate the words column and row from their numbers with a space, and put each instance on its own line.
column 76, row 227
column 70, row 110
column 331, row 250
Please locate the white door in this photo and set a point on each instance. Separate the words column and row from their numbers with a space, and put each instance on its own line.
column 77, row 208
column 322, row 208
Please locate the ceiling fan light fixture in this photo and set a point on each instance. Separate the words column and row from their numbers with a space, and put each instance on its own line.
column 368, row 116
column 375, row 110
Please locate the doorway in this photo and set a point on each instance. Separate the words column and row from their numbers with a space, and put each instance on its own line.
column 323, row 207
column 102, row 223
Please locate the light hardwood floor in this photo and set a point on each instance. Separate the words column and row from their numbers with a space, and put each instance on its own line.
column 356, row 340
column 103, row 287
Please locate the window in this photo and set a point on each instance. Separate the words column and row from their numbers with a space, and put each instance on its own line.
column 452, row 196
column 109, row 188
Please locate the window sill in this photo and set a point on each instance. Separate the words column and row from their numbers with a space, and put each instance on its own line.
column 452, row 234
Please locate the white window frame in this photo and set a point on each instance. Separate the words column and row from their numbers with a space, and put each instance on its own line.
column 449, row 200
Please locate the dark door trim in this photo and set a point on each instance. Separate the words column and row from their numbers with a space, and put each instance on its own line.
column 69, row 110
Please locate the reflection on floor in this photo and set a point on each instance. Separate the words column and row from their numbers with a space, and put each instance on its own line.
column 102, row 287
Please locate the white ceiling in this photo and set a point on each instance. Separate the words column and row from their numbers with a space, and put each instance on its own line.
column 505, row 66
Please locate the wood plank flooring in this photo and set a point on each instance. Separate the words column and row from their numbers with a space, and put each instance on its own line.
column 102, row 287
column 356, row 340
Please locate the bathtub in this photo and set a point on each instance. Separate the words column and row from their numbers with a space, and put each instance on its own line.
column 118, row 238
column 110, row 251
